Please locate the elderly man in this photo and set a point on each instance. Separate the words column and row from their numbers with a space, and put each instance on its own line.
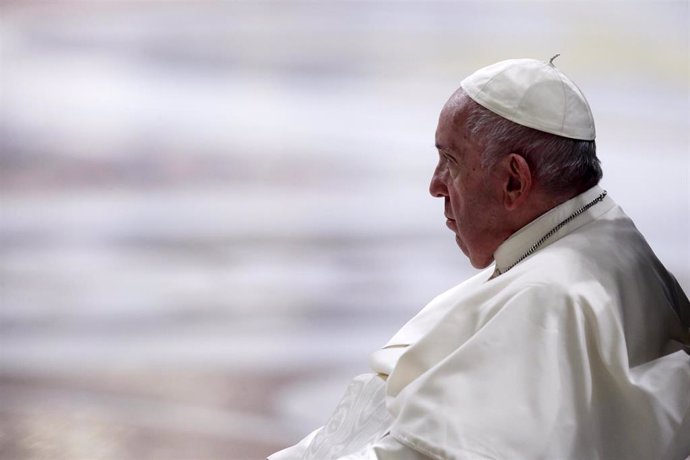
column 570, row 344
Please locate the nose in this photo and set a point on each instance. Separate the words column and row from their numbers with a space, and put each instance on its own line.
column 437, row 187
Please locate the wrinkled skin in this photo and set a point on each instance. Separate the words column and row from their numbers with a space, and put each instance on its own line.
column 473, row 195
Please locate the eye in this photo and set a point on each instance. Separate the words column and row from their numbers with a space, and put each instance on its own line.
column 449, row 159
column 451, row 164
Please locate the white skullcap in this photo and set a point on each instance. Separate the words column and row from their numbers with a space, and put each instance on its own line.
column 535, row 94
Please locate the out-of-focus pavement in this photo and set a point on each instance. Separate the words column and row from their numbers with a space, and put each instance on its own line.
column 212, row 212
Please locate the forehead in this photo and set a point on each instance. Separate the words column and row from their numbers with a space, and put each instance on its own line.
column 451, row 132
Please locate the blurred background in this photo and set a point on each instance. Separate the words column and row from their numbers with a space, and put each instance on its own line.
column 212, row 212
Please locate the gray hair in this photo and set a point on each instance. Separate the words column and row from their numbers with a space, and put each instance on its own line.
column 559, row 164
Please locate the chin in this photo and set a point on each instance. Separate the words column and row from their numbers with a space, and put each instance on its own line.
column 473, row 259
column 479, row 264
column 462, row 246
column 478, row 261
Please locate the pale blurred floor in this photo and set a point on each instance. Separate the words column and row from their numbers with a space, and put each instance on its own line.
column 212, row 213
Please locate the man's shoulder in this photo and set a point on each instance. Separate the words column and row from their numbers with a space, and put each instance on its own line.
column 606, row 249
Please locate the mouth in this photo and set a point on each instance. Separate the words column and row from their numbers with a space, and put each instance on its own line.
column 451, row 224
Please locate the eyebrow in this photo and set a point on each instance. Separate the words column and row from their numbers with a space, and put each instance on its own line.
column 444, row 149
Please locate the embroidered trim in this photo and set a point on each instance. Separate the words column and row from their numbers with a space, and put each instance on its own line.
column 553, row 231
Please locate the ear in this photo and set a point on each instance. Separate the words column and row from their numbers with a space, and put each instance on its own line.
column 517, row 183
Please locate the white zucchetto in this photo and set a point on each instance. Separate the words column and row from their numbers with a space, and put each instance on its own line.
column 535, row 94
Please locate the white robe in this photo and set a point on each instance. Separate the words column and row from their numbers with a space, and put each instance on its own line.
column 574, row 353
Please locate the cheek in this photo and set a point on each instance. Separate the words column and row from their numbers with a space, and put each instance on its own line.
column 455, row 188
column 460, row 196
column 456, row 204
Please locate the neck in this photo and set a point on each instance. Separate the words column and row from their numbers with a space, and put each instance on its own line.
column 537, row 204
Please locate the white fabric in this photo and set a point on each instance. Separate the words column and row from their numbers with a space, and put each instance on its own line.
column 359, row 419
column 298, row 450
column 357, row 430
column 534, row 94
column 571, row 354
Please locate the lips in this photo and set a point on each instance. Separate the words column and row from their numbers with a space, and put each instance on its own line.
column 450, row 223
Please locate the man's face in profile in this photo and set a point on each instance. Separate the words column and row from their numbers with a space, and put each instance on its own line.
column 470, row 192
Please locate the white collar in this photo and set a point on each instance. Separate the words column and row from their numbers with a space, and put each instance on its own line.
column 520, row 242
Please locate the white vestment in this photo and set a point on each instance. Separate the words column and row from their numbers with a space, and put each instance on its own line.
column 576, row 352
